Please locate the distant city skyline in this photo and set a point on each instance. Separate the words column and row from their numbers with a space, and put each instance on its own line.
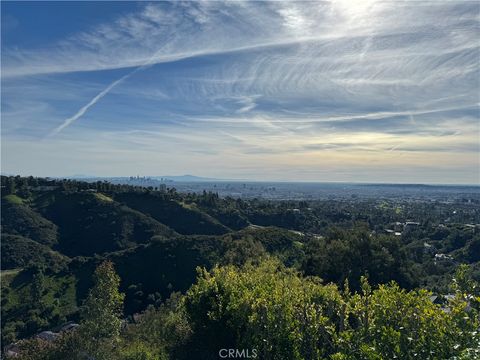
column 337, row 91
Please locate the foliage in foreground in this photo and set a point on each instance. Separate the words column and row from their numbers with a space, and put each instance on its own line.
column 275, row 311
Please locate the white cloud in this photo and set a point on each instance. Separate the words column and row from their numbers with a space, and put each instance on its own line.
column 255, row 81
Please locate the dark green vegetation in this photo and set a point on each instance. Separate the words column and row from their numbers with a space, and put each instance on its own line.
column 18, row 252
column 265, row 292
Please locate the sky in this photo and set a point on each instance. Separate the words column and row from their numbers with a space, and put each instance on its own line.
column 346, row 90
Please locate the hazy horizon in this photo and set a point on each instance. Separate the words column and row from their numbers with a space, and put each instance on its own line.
column 226, row 180
column 339, row 91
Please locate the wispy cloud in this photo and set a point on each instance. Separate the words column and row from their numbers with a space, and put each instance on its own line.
column 394, row 82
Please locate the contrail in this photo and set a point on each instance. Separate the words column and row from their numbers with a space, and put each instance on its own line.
column 92, row 102
column 100, row 95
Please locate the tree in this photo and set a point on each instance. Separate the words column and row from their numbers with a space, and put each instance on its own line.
column 158, row 332
column 38, row 286
column 102, row 310
column 350, row 254
column 10, row 185
column 268, row 308
column 101, row 314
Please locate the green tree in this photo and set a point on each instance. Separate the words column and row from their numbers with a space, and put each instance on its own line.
column 464, row 284
column 103, row 307
column 10, row 185
column 99, row 333
column 98, row 336
column 268, row 308
column 157, row 332
column 350, row 254
column 38, row 286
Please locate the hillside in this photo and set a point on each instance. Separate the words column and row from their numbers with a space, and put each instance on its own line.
column 19, row 219
column 183, row 218
column 93, row 223
column 19, row 252
column 33, row 301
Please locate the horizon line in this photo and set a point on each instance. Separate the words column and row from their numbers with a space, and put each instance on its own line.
column 211, row 179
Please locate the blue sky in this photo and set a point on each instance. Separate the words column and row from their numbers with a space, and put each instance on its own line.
column 371, row 91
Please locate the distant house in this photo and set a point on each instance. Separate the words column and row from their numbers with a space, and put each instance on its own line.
column 395, row 231
column 69, row 327
column 443, row 258
column 449, row 297
column 410, row 225
column 444, row 302
column 429, row 248
column 12, row 351
column 473, row 227
column 48, row 335
column 42, row 188
column 398, row 227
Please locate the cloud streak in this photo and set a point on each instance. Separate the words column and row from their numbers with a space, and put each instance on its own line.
column 278, row 84
column 67, row 122
column 92, row 102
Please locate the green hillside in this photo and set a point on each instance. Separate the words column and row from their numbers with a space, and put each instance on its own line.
column 91, row 223
column 33, row 301
column 19, row 219
column 182, row 218
column 19, row 252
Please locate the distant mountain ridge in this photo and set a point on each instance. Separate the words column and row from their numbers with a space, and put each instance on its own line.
column 189, row 178
column 175, row 178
